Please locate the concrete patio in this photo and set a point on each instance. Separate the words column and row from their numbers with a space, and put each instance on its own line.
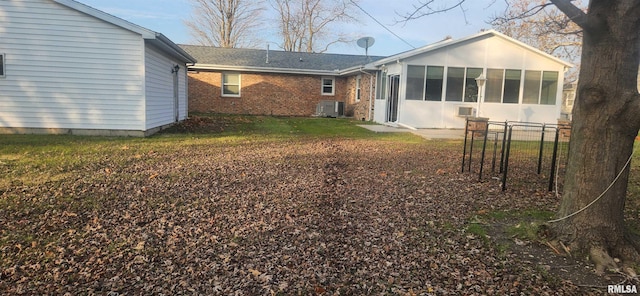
column 426, row 133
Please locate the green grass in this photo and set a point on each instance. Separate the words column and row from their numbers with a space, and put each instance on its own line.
column 34, row 159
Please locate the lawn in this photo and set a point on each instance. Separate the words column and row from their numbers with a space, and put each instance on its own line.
column 239, row 205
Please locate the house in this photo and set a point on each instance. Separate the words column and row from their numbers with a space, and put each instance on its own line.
column 429, row 87
column 436, row 86
column 271, row 82
column 68, row 68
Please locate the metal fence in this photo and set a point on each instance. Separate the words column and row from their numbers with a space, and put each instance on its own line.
column 531, row 154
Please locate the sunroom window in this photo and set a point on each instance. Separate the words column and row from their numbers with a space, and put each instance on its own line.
column 549, row 88
column 455, row 84
column 435, row 79
column 511, row 86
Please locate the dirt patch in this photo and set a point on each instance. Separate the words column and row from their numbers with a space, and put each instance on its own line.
column 208, row 124
column 556, row 266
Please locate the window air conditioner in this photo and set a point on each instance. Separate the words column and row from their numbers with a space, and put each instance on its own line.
column 466, row 111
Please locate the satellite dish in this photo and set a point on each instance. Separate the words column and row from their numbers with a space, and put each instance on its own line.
column 366, row 42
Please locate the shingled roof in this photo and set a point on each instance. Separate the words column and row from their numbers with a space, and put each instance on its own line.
column 274, row 60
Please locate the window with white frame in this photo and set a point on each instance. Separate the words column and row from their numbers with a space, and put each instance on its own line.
column 471, row 85
column 381, row 91
column 455, row 84
column 549, row 90
column 434, row 82
column 230, row 84
column 2, row 73
column 540, row 87
column 328, row 86
column 415, row 82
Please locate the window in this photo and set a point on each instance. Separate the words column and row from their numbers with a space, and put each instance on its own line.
column 1, row 65
column 415, row 82
column 549, row 88
column 455, row 84
column 230, row 84
column 328, row 84
column 531, row 92
column 493, row 92
column 471, row 85
column 381, row 91
column 511, row 93
column 358, row 81
column 435, row 77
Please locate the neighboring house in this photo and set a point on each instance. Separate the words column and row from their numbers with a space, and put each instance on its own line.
column 435, row 86
column 269, row 82
column 68, row 68
column 568, row 98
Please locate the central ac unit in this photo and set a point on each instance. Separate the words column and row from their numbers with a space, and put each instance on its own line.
column 330, row 109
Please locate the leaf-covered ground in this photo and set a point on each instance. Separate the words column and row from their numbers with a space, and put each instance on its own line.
column 258, row 216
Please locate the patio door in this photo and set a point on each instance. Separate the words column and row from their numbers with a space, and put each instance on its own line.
column 392, row 97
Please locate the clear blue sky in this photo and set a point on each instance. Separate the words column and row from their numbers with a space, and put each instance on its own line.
column 168, row 16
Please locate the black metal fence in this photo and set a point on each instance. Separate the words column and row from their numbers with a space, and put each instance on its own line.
column 526, row 153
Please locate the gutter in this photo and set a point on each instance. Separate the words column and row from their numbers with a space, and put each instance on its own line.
column 266, row 70
column 174, row 48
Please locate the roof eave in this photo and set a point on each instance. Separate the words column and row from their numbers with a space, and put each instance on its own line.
column 264, row 70
column 167, row 45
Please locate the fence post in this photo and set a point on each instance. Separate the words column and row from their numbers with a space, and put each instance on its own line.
column 552, row 175
column 464, row 149
column 484, row 148
column 504, row 142
column 544, row 126
column 506, row 160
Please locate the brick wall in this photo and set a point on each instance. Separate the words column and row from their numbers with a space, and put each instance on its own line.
column 264, row 94
column 360, row 109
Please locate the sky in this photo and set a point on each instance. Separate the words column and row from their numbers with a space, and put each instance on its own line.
column 168, row 16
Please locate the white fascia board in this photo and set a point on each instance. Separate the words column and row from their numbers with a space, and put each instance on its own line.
column 264, row 70
column 146, row 33
column 173, row 49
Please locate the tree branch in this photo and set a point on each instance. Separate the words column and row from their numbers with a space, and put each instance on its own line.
column 574, row 13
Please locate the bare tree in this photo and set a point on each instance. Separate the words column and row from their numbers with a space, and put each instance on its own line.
column 606, row 121
column 225, row 23
column 312, row 25
column 542, row 26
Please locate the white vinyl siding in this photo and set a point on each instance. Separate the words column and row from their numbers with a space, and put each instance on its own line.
column 159, row 89
column 69, row 69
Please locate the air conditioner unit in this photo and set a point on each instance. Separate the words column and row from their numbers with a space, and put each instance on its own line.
column 330, row 109
column 466, row 111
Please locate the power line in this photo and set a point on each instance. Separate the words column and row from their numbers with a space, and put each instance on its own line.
column 379, row 23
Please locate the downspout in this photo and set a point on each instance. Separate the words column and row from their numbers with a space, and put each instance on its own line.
column 370, row 93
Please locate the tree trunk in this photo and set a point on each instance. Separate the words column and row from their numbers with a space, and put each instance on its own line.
column 606, row 119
